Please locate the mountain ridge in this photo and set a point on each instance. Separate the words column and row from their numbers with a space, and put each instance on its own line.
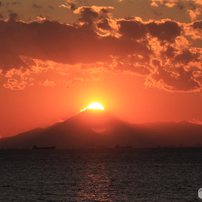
column 99, row 129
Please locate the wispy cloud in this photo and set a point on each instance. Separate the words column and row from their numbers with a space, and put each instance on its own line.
column 48, row 83
column 14, row 84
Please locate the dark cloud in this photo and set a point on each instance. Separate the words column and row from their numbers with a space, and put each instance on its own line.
column 104, row 24
column 132, row 29
column 10, row 60
column 197, row 24
column 169, row 52
column 61, row 43
column 122, row 46
column 104, row 10
column 15, row 3
column 13, row 16
column 156, row 63
column 168, row 30
column 182, row 81
column 193, row 6
column 36, row 6
column 88, row 15
column 186, row 56
column 72, row 6
column 180, row 6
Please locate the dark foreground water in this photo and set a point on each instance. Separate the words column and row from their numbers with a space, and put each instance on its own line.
column 101, row 175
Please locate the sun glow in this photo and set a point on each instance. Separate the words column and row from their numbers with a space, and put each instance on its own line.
column 95, row 105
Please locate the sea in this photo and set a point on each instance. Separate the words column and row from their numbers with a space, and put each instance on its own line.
column 156, row 174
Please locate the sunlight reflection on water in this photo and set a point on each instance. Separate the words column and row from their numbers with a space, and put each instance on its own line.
column 95, row 183
column 100, row 175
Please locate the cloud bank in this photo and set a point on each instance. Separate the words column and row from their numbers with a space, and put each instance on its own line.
column 161, row 51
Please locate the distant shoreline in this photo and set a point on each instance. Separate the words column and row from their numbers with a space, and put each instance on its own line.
column 111, row 148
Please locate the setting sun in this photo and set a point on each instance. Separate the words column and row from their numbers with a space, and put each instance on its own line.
column 95, row 105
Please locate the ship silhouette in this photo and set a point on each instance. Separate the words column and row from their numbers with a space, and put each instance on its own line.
column 122, row 147
column 35, row 147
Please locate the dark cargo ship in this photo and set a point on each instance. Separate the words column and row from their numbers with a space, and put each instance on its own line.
column 35, row 147
column 120, row 147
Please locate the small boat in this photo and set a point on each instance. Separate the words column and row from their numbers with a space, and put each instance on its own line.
column 35, row 147
column 120, row 147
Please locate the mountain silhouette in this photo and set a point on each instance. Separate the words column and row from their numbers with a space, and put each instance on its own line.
column 98, row 129
column 88, row 129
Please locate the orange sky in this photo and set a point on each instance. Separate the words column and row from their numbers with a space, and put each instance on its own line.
column 140, row 59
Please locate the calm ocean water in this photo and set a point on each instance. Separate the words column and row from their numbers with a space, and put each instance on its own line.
column 101, row 175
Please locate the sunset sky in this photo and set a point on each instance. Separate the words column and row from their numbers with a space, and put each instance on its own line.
column 141, row 59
